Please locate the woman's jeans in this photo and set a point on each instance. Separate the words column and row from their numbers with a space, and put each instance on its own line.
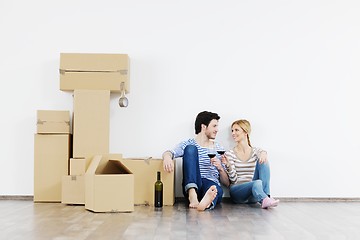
column 256, row 190
column 192, row 177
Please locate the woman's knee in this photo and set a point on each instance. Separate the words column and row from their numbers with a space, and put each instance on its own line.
column 257, row 184
column 263, row 165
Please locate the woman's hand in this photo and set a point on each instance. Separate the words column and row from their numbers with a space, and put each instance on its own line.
column 225, row 160
column 263, row 157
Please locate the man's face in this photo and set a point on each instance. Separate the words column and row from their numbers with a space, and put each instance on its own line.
column 212, row 129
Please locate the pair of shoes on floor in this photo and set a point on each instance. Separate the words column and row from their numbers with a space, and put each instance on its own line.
column 269, row 202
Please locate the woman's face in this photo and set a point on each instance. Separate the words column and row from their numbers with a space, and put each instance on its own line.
column 237, row 133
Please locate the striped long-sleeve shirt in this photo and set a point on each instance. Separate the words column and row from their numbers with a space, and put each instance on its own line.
column 242, row 171
column 207, row 170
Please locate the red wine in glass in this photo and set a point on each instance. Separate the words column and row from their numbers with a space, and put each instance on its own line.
column 221, row 152
column 211, row 155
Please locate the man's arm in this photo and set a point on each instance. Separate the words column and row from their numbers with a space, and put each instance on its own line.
column 224, row 178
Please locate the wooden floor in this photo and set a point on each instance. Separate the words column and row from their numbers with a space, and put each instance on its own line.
column 290, row 220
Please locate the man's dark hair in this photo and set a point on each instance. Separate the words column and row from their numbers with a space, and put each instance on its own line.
column 205, row 118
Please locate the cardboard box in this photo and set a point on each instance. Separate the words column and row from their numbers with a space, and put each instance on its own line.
column 73, row 190
column 77, row 166
column 91, row 130
column 145, row 173
column 94, row 71
column 109, row 186
column 53, row 121
column 51, row 156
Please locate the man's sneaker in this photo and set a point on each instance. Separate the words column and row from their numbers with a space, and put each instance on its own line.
column 269, row 202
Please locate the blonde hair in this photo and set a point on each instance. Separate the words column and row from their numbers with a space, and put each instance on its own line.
column 245, row 126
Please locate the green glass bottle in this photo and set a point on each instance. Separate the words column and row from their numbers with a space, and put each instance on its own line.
column 158, row 203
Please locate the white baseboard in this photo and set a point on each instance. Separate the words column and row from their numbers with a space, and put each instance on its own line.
column 17, row 197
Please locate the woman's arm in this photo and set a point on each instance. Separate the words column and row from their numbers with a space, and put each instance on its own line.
column 230, row 168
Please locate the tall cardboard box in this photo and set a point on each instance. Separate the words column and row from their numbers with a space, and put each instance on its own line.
column 96, row 71
column 91, row 131
column 109, row 186
column 53, row 121
column 51, row 155
column 145, row 173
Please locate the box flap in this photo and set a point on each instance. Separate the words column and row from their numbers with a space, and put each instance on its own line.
column 104, row 161
column 99, row 164
column 93, row 62
column 93, row 165
column 115, row 167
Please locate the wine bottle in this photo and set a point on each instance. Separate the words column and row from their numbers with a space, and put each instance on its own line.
column 158, row 192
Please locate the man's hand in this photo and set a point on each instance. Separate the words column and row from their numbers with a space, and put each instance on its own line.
column 168, row 163
column 217, row 163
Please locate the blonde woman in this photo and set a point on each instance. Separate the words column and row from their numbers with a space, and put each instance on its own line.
column 248, row 169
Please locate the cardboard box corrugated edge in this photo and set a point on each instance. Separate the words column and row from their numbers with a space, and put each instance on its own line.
column 97, row 71
column 146, row 196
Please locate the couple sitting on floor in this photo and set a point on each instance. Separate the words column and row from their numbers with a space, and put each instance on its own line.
column 244, row 169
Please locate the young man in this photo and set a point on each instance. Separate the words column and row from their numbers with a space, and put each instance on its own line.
column 201, row 175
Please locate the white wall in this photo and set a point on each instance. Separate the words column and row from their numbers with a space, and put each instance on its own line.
column 290, row 67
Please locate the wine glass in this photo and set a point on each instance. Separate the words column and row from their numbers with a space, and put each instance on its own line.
column 220, row 150
column 211, row 152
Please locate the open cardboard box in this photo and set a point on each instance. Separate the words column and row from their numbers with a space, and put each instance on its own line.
column 109, row 185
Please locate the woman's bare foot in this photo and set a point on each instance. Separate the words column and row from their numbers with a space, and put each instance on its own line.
column 208, row 198
column 194, row 202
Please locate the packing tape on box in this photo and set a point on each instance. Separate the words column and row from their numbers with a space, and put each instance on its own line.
column 145, row 159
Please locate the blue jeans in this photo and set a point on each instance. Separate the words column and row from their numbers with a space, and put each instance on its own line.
column 254, row 191
column 192, row 177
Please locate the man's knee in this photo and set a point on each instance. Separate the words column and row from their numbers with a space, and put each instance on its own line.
column 220, row 190
column 191, row 150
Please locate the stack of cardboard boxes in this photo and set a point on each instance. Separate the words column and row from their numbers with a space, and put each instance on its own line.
column 51, row 154
column 103, row 182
